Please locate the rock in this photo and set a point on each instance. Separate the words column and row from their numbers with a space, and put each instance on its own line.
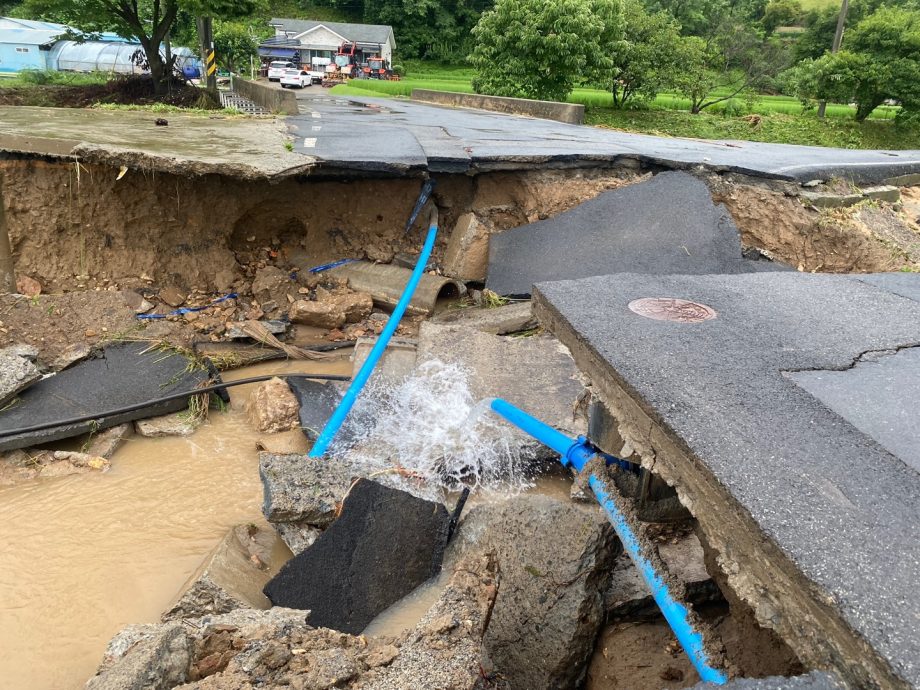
column 144, row 657
column 137, row 302
column 318, row 314
column 172, row 296
column 276, row 648
column 510, row 318
column 24, row 350
column 273, row 326
column 28, row 286
column 297, row 536
column 536, row 373
column 303, row 490
column 812, row 183
column 273, row 407
column 175, row 424
column 62, row 463
column 467, row 254
column 628, row 595
column 554, row 558
column 887, row 192
column 224, row 280
column 105, row 443
column 73, row 354
column 232, row 576
column 396, row 362
column 271, row 284
column 20, row 465
column 356, row 306
column 16, row 374
column 383, row 545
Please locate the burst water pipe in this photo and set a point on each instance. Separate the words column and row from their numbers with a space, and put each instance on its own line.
column 357, row 384
column 577, row 453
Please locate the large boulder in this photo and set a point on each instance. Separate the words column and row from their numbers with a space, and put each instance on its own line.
column 554, row 558
column 232, row 576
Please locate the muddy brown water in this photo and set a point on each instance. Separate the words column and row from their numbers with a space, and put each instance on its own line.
column 87, row 554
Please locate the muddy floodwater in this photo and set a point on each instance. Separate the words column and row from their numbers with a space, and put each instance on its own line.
column 87, row 554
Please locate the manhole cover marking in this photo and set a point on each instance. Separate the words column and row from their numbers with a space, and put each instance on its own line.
column 672, row 309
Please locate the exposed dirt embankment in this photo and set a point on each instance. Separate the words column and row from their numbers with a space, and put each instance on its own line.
column 869, row 237
column 73, row 227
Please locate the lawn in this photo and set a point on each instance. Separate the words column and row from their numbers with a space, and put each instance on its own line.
column 781, row 117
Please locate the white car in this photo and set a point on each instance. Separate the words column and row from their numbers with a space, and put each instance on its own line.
column 296, row 77
column 277, row 68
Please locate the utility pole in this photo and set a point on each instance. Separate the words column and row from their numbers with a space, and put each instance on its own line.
column 838, row 38
column 7, row 275
column 209, row 64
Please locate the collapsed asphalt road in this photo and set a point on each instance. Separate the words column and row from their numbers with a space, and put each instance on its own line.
column 400, row 137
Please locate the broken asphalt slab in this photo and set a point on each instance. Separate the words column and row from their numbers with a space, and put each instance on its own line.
column 668, row 224
column 383, row 545
column 121, row 375
column 814, row 520
column 460, row 140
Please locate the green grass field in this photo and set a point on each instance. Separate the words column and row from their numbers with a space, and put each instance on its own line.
column 782, row 118
column 817, row 4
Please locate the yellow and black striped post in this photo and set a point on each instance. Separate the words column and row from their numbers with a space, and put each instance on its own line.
column 206, row 39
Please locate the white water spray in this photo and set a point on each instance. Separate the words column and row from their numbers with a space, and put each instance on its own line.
column 429, row 427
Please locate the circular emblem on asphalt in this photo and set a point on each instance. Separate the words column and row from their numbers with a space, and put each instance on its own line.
column 672, row 309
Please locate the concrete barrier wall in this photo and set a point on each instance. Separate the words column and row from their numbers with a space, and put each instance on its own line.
column 276, row 100
column 571, row 113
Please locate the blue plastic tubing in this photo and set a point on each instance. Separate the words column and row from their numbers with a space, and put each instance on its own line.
column 577, row 452
column 354, row 390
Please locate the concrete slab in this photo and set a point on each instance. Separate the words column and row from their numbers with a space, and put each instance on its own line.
column 122, row 374
column 668, row 224
column 384, row 544
column 16, row 374
column 814, row 521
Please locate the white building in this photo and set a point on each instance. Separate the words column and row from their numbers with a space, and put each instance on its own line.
column 304, row 39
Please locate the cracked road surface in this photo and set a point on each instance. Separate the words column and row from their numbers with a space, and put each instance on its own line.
column 403, row 137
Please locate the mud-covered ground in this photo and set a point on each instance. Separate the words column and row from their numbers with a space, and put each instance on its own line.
column 128, row 90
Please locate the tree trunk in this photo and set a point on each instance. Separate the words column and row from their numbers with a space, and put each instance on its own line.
column 157, row 71
column 835, row 46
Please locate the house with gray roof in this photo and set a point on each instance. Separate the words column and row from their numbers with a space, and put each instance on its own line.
column 304, row 39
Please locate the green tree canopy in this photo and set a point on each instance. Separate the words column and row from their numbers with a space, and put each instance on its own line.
column 644, row 59
column 879, row 61
column 781, row 13
column 538, row 49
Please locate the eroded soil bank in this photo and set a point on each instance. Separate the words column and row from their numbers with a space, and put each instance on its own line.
column 78, row 226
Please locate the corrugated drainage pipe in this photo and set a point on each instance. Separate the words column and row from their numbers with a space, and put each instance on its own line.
column 385, row 284
column 577, row 453
column 351, row 395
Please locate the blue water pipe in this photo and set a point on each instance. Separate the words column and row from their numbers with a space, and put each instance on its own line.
column 577, row 453
column 354, row 390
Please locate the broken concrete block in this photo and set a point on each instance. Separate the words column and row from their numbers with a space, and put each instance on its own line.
column 628, row 595
column 467, row 254
column 535, row 373
column 886, row 192
column 16, row 374
column 272, row 407
column 554, row 558
column 70, row 356
column 356, row 306
column 830, row 200
column 284, row 443
column 666, row 225
column 144, row 656
column 510, row 318
column 317, row 401
column 24, row 350
column 304, row 490
column 122, row 375
column 232, row 576
column 298, row 536
column 105, row 443
column 175, row 424
column 318, row 314
column 396, row 363
column 273, row 326
column 384, row 544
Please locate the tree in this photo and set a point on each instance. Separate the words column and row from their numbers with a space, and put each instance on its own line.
column 781, row 13
column 234, row 44
column 538, row 49
column 880, row 61
column 643, row 61
column 702, row 17
column 147, row 21
column 734, row 60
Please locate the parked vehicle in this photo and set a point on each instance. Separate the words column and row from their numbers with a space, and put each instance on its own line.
column 296, row 77
column 276, row 69
column 376, row 68
column 343, row 64
column 318, row 68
